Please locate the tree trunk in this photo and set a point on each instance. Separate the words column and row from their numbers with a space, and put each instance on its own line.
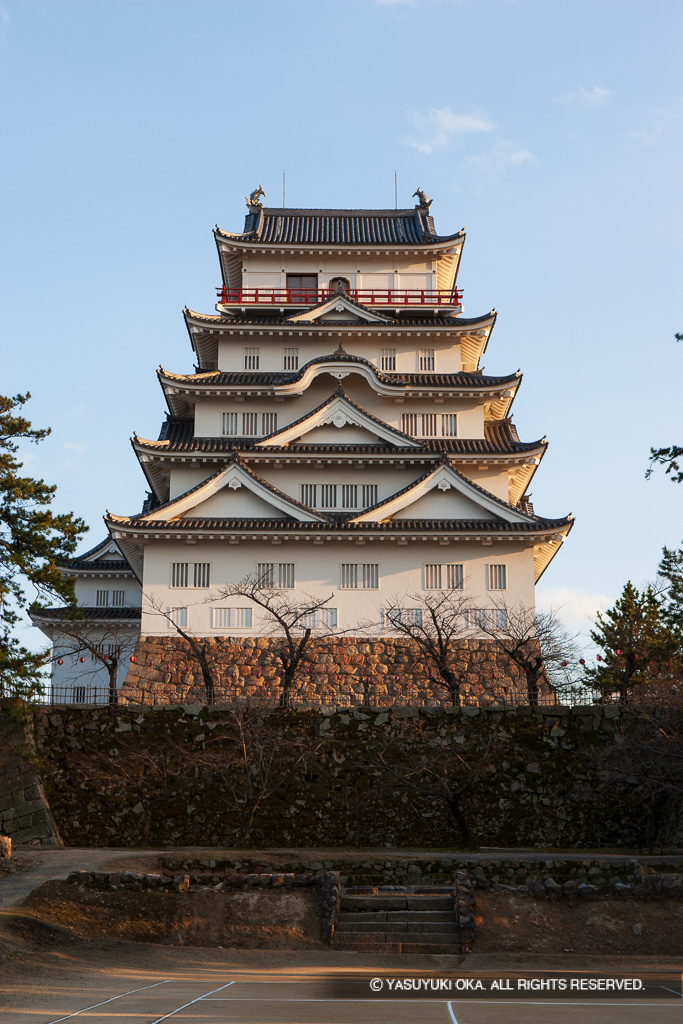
column 453, row 685
column 456, row 812
column 532, row 686
column 113, row 691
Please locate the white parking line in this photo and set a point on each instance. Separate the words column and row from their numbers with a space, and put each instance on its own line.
column 191, row 1003
column 105, row 1001
column 450, row 1010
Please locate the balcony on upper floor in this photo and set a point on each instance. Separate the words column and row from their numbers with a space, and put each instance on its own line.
column 395, row 298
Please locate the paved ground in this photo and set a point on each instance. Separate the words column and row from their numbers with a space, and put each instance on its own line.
column 125, row 983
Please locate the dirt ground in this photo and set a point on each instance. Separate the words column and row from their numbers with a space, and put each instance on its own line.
column 511, row 924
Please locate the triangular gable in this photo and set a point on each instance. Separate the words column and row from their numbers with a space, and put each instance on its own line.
column 339, row 307
column 443, row 494
column 211, row 499
column 338, row 412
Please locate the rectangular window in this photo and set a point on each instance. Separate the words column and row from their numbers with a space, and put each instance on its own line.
column 114, row 650
column 118, row 598
column 448, row 576
column 276, row 574
column 249, row 424
column 449, row 424
column 409, row 423
column 303, row 287
column 369, row 495
column 326, row 617
column 387, row 359
column 268, row 422
column 78, row 694
column 202, row 574
column 328, row 496
column 497, row 577
column 308, row 494
column 229, row 424
column 180, row 573
column 429, row 424
column 363, row 576
column 102, row 598
column 231, row 618
column 176, row 617
column 349, row 495
column 486, row 618
column 426, row 360
column 190, row 574
column 251, row 359
column 290, row 359
column 402, row 616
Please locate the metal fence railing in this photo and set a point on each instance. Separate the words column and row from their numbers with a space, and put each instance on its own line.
column 84, row 696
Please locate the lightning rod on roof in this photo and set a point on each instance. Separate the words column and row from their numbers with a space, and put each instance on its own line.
column 396, row 190
column 283, row 189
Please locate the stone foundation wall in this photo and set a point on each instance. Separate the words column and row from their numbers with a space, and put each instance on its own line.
column 24, row 811
column 337, row 670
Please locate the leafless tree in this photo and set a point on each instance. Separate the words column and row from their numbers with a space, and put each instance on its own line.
column 298, row 622
column 536, row 642
column 432, row 766
column 436, row 625
column 200, row 646
column 254, row 753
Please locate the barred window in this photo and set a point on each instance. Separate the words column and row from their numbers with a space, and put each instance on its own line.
column 447, row 576
column 113, row 650
column 326, row 617
column 409, row 423
column 349, row 495
column 229, row 424
column 497, row 577
column 369, row 495
column 387, row 359
column 400, row 616
column 118, row 598
column 78, row 694
column 249, row 424
column 308, row 494
column 231, row 618
column 426, row 360
column 486, row 618
column 276, row 574
column 190, row 574
column 328, row 496
column 290, row 359
column 251, row 359
column 363, row 576
column 449, row 424
column 102, row 598
column 268, row 422
column 429, row 424
column 176, row 617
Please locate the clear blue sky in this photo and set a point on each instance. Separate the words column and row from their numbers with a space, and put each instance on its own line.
column 551, row 130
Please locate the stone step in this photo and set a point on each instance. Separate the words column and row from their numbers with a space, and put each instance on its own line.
column 373, row 946
column 397, row 902
column 397, row 915
column 398, row 927
column 363, row 937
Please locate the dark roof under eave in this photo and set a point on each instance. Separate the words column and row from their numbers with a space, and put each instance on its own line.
column 289, row 226
column 100, row 565
column 432, row 321
column 501, row 439
column 396, row 525
column 125, row 614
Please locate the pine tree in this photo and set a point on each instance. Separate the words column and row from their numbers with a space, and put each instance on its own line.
column 635, row 641
column 671, row 571
column 33, row 542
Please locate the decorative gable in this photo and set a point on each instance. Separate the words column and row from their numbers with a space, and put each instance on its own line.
column 338, row 421
column 339, row 307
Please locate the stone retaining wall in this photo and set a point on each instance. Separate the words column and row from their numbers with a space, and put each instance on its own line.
column 338, row 669
column 24, row 810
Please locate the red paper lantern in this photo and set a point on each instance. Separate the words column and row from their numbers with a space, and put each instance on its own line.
column 617, row 652
column 60, row 661
column 395, row 679
column 132, row 658
column 564, row 664
column 582, row 661
column 81, row 660
column 167, row 667
column 149, row 664
column 599, row 657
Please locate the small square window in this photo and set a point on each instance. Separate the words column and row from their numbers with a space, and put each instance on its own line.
column 426, row 360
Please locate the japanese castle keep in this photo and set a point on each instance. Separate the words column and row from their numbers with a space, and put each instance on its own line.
column 335, row 438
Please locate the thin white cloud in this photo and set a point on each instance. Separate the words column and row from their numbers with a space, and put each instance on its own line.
column 438, row 126
column 588, row 97
column 501, row 158
column 649, row 135
column 75, row 446
column 576, row 608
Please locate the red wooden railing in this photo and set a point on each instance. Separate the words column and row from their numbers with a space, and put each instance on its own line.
column 367, row 297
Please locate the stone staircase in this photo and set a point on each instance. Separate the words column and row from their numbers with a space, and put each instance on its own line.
column 393, row 919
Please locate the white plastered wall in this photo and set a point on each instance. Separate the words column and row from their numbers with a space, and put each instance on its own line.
column 317, row 573
column 271, row 344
